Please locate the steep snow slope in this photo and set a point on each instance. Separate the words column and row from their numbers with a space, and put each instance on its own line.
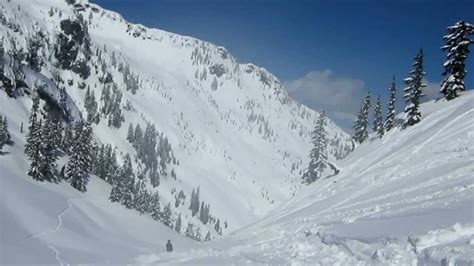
column 404, row 199
column 44, row 223
column 233, row 128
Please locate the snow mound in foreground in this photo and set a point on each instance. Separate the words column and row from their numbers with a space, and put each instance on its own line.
column 404, row 199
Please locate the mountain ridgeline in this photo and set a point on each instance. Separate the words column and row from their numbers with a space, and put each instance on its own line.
column 181, row 131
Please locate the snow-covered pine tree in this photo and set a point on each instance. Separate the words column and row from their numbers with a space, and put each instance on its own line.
column 34, row 56
column 155, row 206
column 138, row 137
column 3, row 138
column 177, row 225
column 67, row 141
column 391, row 112
column 197, row 234
column 202, row 212
column 128, row 182
column 166, row 216
column 48, row 151
column 32, row 141
column 148, row 203
column 194, row 205
column 378, row 119
column 130, row 133
column 208, row 236
column 35, row 155
column 91, row 106
column 57, row 133
column 142, row 199
column 361, row 125
column 189, row 230
column 217, row 227
column 318, row 154
column 80, row 164
column 116, row 192
column 5, row 129
column 4, row 134
column 414, row 92
column 457, row 45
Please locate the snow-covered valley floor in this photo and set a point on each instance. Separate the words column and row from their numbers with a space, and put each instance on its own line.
column 405, row 199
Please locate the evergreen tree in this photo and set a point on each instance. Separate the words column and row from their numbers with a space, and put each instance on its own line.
column 413, row 92
column 4, row 134
column 391, row 112
column 189, row 230
column 32, row 140
column 378, row 119
column 204, row 213
column 57, row 133
column 91, row 106
column 166, row 217
column 34, row 56
column 177, row 225
column 123, row 184
column 115, row 193
column 48, row 151
column 4, row 128
column 208, row 236
column 197, row 234
column 138, row 137
column 194, row 206
column 361, row 125
column 217, row 227
column 140, row 197
column 80, row 164
column 457, row 46
column 155, row 206
column 128, row 179
column 35, row 155
column 67, row 141
column 130, row 134
column 318, row 155
column 3, row 138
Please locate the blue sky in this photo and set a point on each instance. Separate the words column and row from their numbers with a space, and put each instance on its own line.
column 329, row 53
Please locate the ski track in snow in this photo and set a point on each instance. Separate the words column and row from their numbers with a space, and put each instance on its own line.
column 61, row 262
column 60, row 220
column 448, row 125
column 55, row 229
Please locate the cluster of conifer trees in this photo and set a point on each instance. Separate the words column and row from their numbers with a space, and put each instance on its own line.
column 45, row 141
column 457, row 45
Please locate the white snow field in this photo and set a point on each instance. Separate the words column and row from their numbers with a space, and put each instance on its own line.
column 405, row 199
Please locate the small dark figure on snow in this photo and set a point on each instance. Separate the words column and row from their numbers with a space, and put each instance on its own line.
column 169, row 246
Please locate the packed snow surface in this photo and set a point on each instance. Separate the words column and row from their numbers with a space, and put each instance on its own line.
column 404, row 199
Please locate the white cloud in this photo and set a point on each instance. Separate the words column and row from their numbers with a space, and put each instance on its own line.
column 340, row 97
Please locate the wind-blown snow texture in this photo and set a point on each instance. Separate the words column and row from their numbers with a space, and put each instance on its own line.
column 404, row 199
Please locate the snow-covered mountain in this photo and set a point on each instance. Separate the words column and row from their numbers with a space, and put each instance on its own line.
column 229, row 129
column 404, row 199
